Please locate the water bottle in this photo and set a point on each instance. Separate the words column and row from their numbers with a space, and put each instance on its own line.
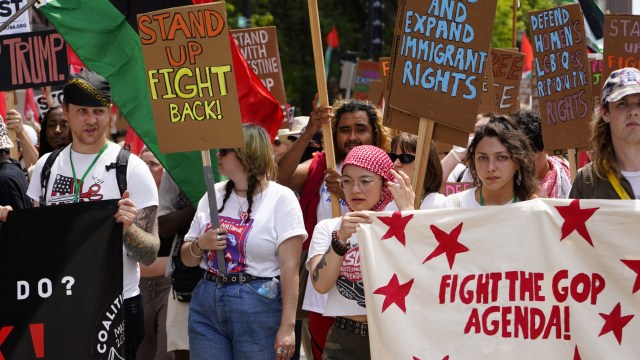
column 269, row 289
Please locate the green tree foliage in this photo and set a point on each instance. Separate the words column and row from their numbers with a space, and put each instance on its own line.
column 503, row 24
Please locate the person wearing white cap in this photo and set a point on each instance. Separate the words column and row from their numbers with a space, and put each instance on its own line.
column 13, row 184
column 614, row 172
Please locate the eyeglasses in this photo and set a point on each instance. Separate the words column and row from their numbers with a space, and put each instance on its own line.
column 404, row 158
column 224, row 152
column 346, row 184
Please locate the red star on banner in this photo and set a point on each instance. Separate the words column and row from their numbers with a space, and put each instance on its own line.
column 396, row 224
column 395, row 293
column 576, row 354
column 448, row 244
column 575, row 219
column 635, row 266
column 614, row 322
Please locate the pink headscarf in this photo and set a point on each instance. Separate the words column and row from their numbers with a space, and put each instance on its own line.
column 373, row 159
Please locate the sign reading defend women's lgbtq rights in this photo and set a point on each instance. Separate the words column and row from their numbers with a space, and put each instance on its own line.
column 441, row 49
column 561, row 67
column 191, row 83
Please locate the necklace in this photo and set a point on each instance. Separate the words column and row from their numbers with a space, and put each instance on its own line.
column 515, row 198
column 240, row 208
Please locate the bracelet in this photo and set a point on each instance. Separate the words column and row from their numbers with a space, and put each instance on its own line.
column 191, row 250
column 456, row 156
column 338, row 246
column 198, row 245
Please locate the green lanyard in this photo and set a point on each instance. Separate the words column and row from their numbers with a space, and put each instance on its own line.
column 76, row 184
column 515, row 198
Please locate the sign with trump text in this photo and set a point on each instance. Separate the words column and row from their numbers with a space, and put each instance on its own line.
column 541, row 279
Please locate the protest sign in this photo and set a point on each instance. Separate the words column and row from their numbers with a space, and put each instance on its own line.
column 32, row 59
column 365, row 72
column 540, row 279
column 597, row 66
column 456, row 187
column 41, row 101
column 621, row 44
column 64, row 300
column 507, row 73
column 259, row 46
column 488, row 98
column 189, row 69
column 19, row 25
column 440, row 52
column 562, row 76
column 375, row 91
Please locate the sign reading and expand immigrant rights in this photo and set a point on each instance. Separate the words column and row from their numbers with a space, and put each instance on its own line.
column 192, row 87
column 32, row 59
column 562, row 76
column 441, row 49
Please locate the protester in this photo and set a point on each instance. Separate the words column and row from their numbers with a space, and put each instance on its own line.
column 26, row 136
column 501, row 163
column 13, row 184
column 87, row 100
column 154, row 286
column 614, row 172
column 54, row 130
column 553, row 174
column 367, row 180
column 403, row 156
column 279, row 147
column 355, row 123
column 261, row 233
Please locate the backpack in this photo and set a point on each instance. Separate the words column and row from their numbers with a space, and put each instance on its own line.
column 120, row 165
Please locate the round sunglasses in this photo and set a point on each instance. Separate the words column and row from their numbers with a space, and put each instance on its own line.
column 404, row 158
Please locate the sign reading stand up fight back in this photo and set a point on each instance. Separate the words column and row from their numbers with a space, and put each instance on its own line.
column 561, row 67
column 190, row 74
column 441, row 49
column 622, row 47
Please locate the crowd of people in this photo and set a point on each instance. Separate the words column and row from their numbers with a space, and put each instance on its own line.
column 273, row 268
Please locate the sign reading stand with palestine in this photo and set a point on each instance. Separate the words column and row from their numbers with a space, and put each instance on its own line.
column 190, row 74
column 561, row 67
column 441, row 49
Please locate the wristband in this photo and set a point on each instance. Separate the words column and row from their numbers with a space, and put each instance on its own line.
column 338, row 246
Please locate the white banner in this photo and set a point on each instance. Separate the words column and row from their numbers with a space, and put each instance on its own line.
column 19, row 25
column 543, row 279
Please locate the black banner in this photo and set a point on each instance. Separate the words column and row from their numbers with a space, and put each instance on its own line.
column 61, row 283
column 34, row 59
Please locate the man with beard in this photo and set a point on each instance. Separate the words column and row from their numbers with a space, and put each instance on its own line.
column 353, row 123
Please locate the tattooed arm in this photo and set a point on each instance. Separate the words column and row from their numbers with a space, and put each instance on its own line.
column 324, row 270
column 141, row 238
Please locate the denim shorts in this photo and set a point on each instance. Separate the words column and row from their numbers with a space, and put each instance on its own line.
column 233, row 321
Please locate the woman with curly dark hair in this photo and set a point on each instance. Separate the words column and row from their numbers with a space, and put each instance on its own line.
column 54, row 131
column 501, row 163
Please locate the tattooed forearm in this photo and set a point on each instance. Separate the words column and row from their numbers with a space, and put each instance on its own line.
column 141, row 239
column 321, row 264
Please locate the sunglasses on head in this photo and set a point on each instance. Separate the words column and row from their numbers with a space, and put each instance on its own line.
column 404, row 158
column 224, row 152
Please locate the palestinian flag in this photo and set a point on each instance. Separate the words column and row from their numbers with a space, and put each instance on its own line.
column 107, row 44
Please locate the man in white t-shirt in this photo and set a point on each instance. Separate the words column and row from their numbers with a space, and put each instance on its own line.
column 84, row 171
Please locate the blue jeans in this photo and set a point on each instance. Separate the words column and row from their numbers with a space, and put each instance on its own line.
column 233, row 322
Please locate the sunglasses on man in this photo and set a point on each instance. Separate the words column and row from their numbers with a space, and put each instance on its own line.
column 404, row 158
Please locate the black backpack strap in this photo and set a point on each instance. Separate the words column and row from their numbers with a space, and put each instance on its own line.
column 46, row 173
column 461, row 175
column 121, row 169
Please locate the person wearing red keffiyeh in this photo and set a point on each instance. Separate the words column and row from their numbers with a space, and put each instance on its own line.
column 369, row 184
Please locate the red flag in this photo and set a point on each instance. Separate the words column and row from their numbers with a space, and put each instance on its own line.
column 75, row 64
column 133, row 142
column 30, row 108
column 3, row 105
column 332, row 38
column 527, row 50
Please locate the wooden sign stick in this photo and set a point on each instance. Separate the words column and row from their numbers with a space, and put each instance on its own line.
column 323, row 95
column 515, row 22
column 425, row 134
column 10, row 98
column 573, row 164
column 213, row 204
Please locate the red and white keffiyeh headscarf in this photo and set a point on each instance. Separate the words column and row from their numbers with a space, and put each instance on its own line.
column 377, row 161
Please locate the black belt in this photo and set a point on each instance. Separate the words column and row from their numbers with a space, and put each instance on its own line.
column 233, row 278
column 351, row 326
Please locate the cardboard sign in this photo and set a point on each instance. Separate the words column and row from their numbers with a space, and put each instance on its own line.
column 597, row 67
column 68, row 305
column 19, row 25
column 193, row 90
column 540, row 279
column 41, row 101
column 259, row 46
column 440, row 52
column 456, row 187
column 32, row 59
column 621, row 43
column 562, row 69
column 507, row 74
column 488, row 98
column 375, row 92
column 365, row 72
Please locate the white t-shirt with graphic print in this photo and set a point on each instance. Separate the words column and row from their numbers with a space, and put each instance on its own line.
column 252, row 246
column 99, row 184
column 346, row 297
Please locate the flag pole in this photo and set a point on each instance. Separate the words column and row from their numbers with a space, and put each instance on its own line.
column 515, row 20
column 213, row 204
column 10, row 98
column 316, row 40
column 13, row 17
